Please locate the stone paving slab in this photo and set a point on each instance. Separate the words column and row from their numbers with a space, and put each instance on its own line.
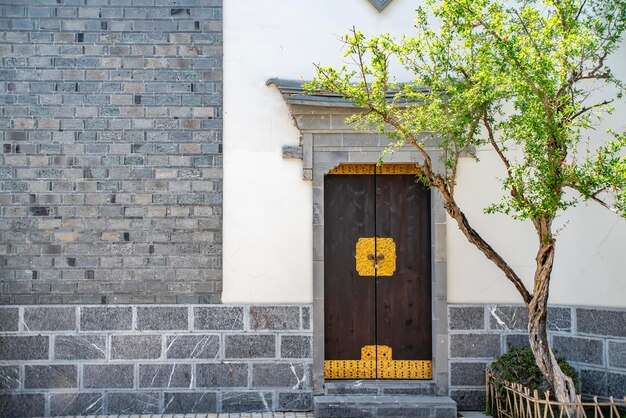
column 242, row 415
column 473, row 414
column 466, row 414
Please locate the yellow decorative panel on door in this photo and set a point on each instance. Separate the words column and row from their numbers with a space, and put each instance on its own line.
column 375, row 257
column 377, row 362
column 385, row 169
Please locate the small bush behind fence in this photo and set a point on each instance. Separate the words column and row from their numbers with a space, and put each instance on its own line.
column 512, row 400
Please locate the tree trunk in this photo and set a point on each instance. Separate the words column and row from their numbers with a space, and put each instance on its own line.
column 562, row 385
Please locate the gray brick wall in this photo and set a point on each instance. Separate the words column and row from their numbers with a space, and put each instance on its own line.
column 111, row 164
column 66, row 360
column 592, row 339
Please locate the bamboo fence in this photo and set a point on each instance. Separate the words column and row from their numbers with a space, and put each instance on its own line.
column 512, row 400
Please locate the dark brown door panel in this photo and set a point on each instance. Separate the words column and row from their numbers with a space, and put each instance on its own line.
column 377, row 319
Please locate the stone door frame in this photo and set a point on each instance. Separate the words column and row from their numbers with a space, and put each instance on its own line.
column 327, row 141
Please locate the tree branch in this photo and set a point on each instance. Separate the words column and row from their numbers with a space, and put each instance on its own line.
column 580, row 75
column 580, row 9
column 492, row 140
column 604, row 204
column 361, row 64
column 532, row 38
column 455, row 212
column 514, row 192
column 519, row 65
column 588, row 108
column 407, row 135
column 600, row 64
column 594, row 196
column 455, row 163
column 473, row 237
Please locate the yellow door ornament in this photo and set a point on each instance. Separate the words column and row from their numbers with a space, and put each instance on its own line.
column 377, row 363
column 375, row 257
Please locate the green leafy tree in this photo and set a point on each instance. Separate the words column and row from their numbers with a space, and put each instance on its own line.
column 514, row 77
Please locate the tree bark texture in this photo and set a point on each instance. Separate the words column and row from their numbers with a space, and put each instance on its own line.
column 562, row 385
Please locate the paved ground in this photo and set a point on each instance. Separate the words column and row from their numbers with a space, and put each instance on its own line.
column 244, row 415
column 251, row 415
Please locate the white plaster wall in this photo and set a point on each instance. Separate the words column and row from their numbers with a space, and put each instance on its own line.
column 267, row 205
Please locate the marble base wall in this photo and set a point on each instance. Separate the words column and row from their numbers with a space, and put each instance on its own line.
column 592, row 339
column 140, row 359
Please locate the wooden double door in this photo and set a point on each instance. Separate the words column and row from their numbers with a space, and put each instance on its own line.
column 377, row 276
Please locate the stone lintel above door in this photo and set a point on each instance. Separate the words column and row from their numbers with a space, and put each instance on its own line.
column 321, row 120
column 326, row 141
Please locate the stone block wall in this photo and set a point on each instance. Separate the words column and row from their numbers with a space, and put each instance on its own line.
column 593, row 340
column 111, row 161
column 134, row 359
